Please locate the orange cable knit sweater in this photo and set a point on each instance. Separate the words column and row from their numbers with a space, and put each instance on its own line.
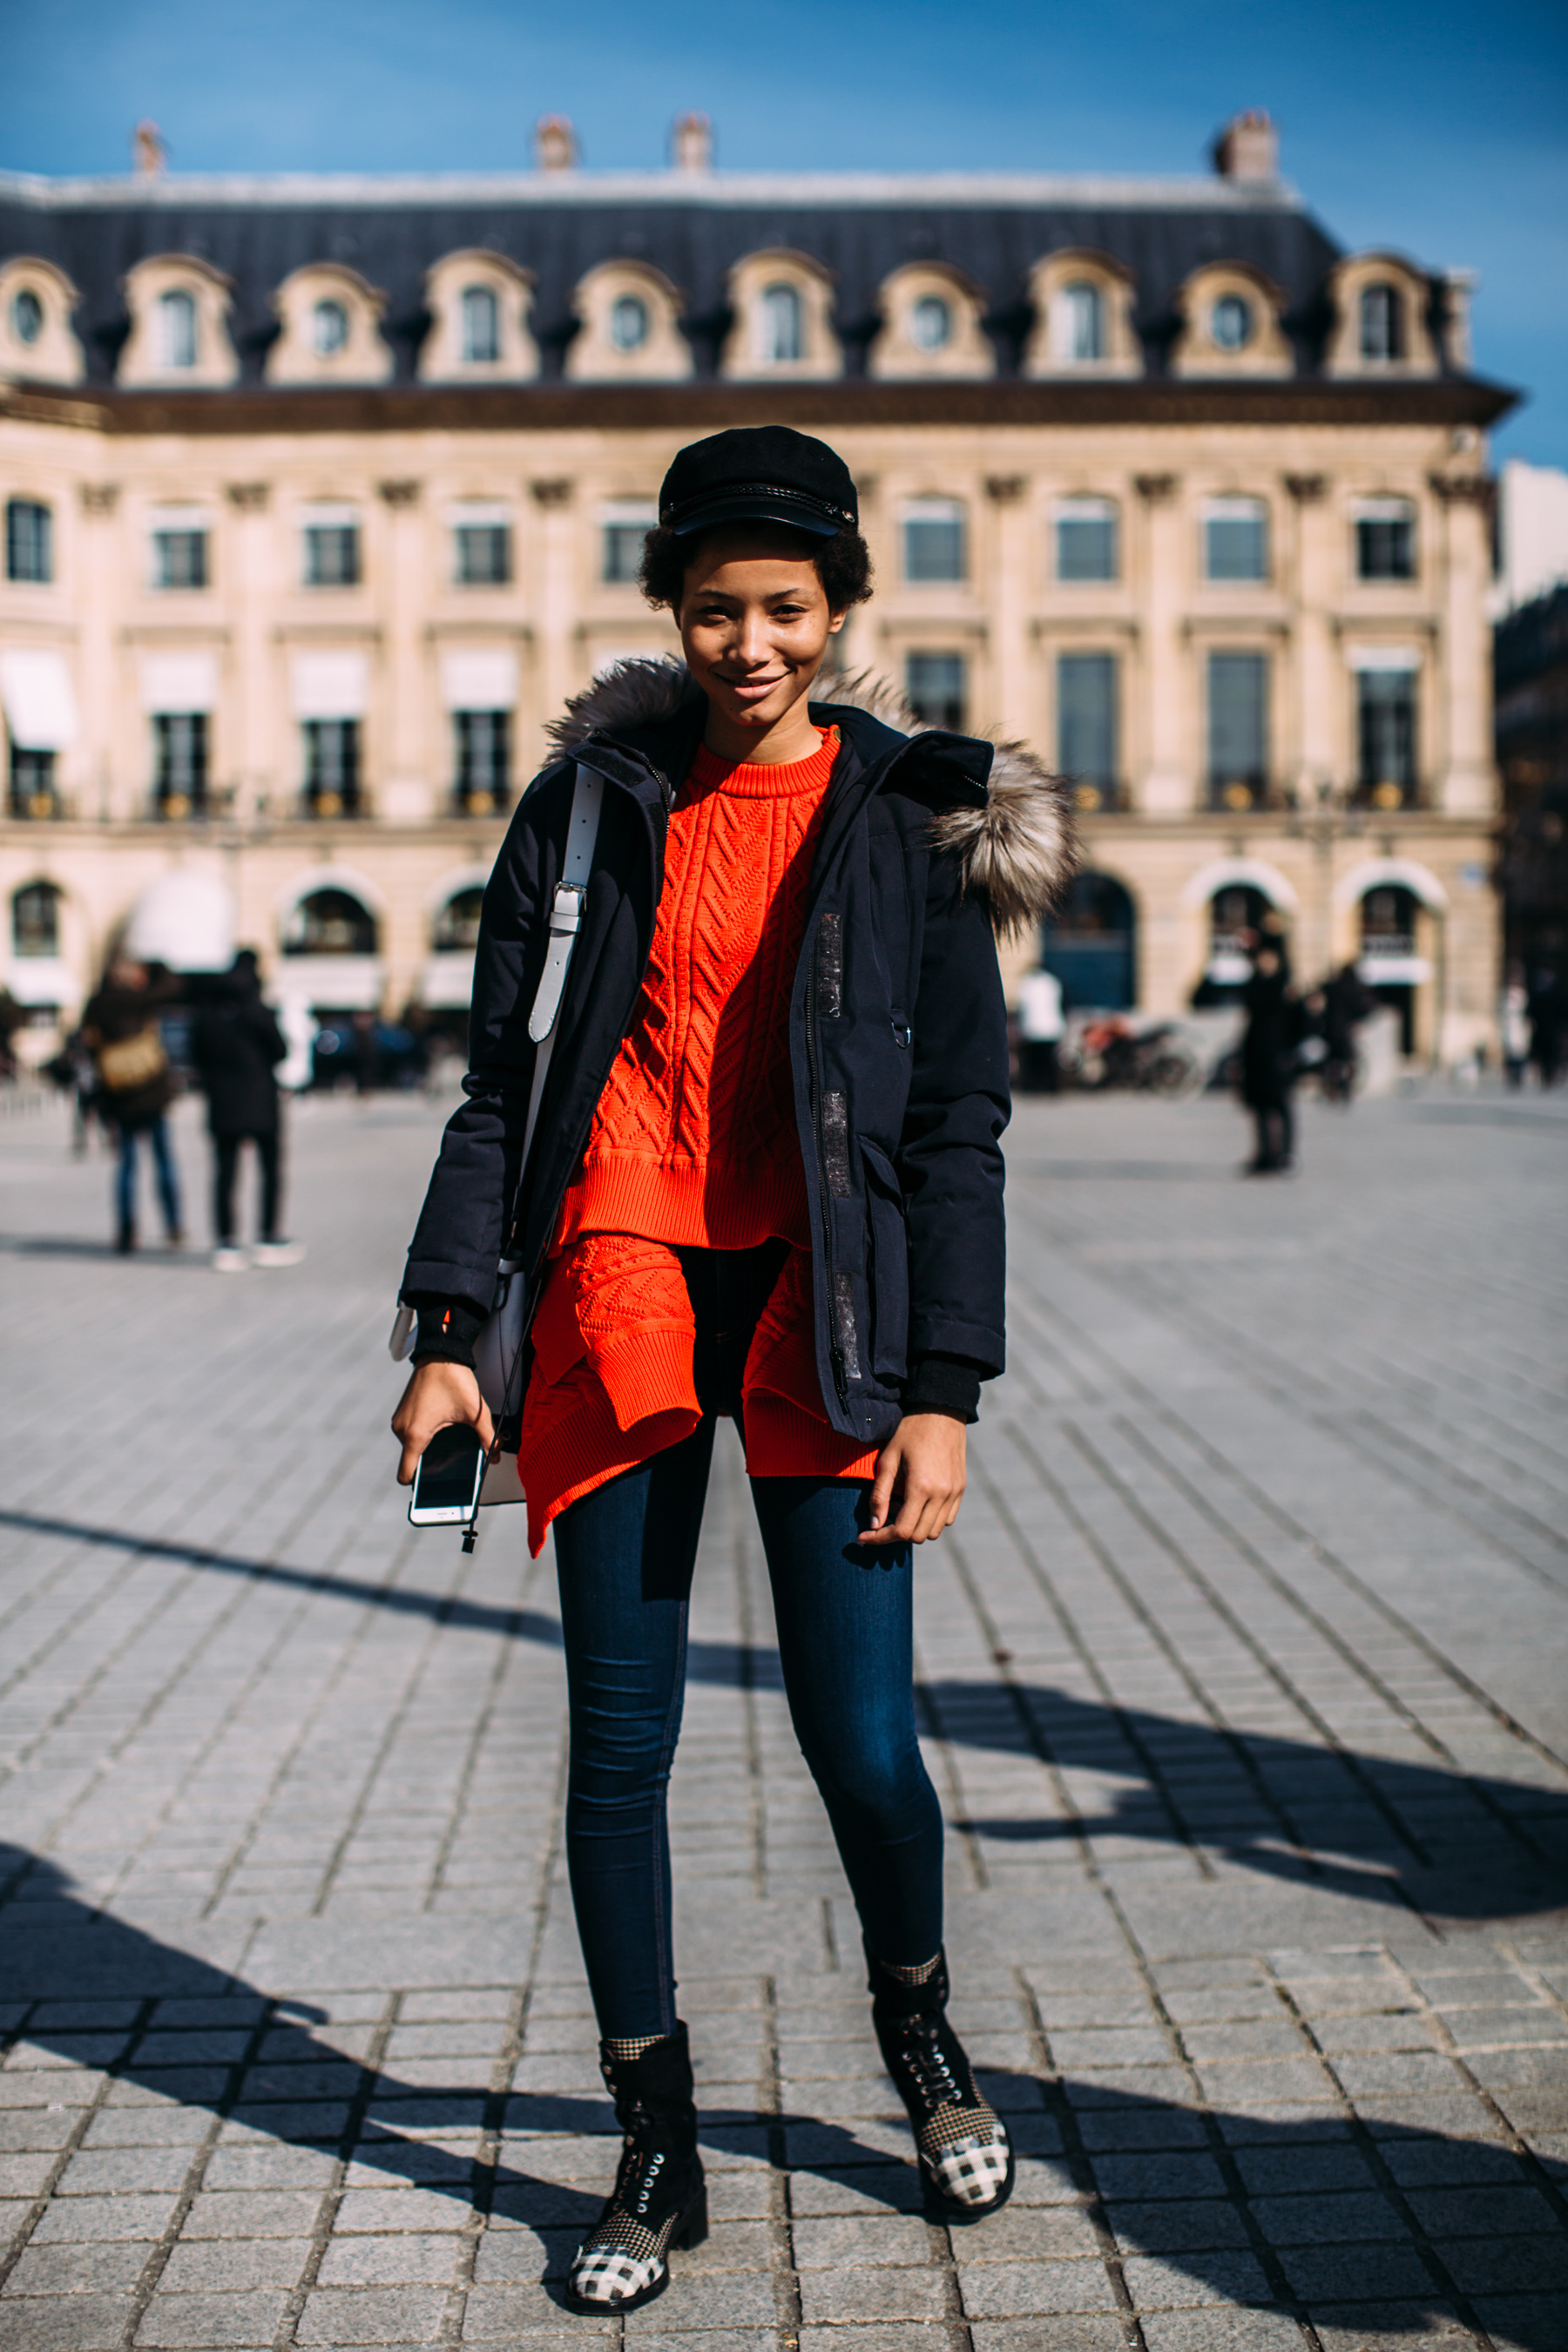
column 693, row 1144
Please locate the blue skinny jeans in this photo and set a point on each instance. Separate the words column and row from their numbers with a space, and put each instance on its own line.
column 624, row 1556
column 156, row 1136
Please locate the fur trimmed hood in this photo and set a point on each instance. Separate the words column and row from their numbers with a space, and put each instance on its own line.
column 1019, row 849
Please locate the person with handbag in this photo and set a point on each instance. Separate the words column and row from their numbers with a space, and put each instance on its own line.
column 737, row 982
column 136, row 1084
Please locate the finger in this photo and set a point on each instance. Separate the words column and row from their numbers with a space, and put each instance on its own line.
column 485, row 1428
column 881, row 1498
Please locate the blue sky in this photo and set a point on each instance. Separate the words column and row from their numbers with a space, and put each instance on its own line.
column 1441, row 130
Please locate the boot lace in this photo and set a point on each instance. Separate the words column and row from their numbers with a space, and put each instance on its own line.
column 929, row 2065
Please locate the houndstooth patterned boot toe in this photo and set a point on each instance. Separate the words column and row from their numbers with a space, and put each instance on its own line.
column 965, row 2155
column 659, row 2201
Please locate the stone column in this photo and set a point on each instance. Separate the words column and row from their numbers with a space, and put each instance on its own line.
column 251, row 721
column 1167, row 785
column 98, row 790
column 1314, row 754
column 1013, row 708
column 556, row 590
column 405, row 792
column 1464, row 776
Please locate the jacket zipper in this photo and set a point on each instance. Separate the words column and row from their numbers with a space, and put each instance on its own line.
column 814, row 979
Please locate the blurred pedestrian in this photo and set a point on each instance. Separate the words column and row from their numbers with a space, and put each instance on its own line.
column 1347, row 1002
column 1513, row 1025
column 1268, row 1065
column 1040, row 1026
column 13, row 1019
column 1546, row 1010
column 135, row 1085
column 367, row 1053
column 235, row 1047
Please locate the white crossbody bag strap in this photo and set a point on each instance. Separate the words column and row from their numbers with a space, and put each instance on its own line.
column 565, row 921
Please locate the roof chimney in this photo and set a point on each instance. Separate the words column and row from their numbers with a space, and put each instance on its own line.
column 554, row 144
column 1248, row 148
column 691, row 143
column 147, row 149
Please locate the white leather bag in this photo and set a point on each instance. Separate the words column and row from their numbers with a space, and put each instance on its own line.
column 498, row 1350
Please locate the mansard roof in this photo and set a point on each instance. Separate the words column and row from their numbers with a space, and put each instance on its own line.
column 694, row 228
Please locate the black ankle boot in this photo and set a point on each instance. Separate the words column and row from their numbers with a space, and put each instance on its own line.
column 658, row 2199
column 966, row 2156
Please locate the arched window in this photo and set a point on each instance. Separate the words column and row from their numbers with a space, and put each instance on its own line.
column 26, row 316
column 1235, row 916
column 329, row 328
column 455, row 930
column 628, row 322
column 330, row 922
column 930, row 323
column 1232, row 322
column 178, row 328
column 35, row 920
column 1089, row 945
column 481, row 325
column 1382, row 322
column 783, row 337
column 1081, row 321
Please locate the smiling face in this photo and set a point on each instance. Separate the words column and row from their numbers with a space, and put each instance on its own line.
column 754, row 622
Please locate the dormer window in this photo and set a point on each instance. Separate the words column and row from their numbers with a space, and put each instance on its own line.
column 779, row 322
column 35, row 304
column 628, row 322
column 479, row 304
column 329, row 328
column 481, row 326
column 1082, row 304
column 1382, row 322
column 177, row 329
column 1231, row 322
column 26, row 316
column 1081, row 321
column 930, row 323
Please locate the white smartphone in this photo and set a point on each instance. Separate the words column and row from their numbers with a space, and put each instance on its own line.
column 447, row 1480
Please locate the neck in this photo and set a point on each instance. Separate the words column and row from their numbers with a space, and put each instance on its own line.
column 789, row 738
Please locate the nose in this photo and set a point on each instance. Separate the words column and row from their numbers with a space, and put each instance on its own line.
column 754, row 645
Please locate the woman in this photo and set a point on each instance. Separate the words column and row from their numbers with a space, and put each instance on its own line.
column 767, row 1183
column 1268, row 1045
column 136, row 1086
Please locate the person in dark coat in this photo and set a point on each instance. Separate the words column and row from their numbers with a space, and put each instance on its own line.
column 1347, row 1002
column 1269, row 1046
column 766, row 1185
column 135, row 1085
column 236, row 1046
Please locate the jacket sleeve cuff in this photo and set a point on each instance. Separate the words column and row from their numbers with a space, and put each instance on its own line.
column 945, row 1384
column 447, row 1330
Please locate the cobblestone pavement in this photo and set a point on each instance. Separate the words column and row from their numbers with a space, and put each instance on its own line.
column 1244, row 1680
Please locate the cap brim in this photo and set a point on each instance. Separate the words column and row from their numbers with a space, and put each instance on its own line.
column 747, row 507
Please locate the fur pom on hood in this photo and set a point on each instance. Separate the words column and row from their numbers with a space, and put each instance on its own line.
column 1019, row 849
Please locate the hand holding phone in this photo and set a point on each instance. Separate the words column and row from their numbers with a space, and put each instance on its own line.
column 447, row 1480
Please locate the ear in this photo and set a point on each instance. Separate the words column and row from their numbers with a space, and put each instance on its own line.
column 837, row 621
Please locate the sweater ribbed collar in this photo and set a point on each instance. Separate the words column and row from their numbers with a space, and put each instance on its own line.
column 752, row 780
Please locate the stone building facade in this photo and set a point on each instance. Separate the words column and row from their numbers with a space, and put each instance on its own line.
column 321, row 497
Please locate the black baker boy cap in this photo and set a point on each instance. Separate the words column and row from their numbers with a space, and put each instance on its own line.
column 759, row 473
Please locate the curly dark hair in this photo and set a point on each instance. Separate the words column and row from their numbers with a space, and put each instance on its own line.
column 843, row 563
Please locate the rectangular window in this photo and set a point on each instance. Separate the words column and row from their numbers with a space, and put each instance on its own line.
column 1086, row 719
column 1086, row 540
column 33, row 783
column 933, row 540
column 934, row 683
column 1385, row 540
column 29, row 537
column 1238, row 729
column 1385, row 736
column 483, row 554
column 332, row 555
column 180, row 763
column 484, row 759
column 1235, row 539
column 624, row 526
column 332, row 767
column 179, row 558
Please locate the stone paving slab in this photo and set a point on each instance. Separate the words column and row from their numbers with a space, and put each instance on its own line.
column 1242, row 1682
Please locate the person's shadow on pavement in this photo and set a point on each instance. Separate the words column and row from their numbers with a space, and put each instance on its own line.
column 1245, row 2206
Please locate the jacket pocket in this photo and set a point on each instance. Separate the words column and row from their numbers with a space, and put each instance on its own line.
column 889, row 1273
